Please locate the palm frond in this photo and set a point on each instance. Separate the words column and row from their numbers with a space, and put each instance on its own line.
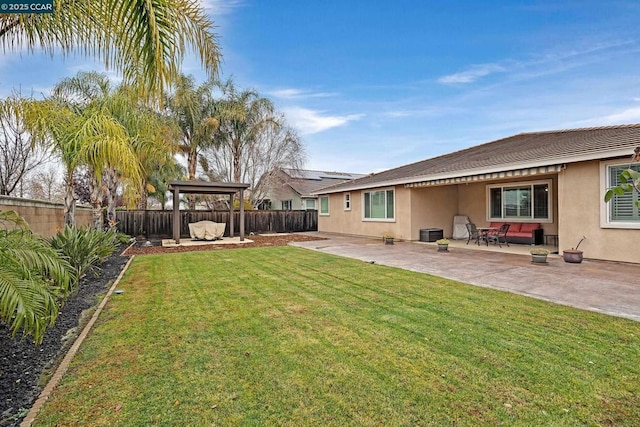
column 26, row 305
column 145, row 39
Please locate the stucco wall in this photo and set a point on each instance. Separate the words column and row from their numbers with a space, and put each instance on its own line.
column 350, row 222
column 579, row 206
column 423, row 207
column 44, row 218
column 472, row 203
column 433, row 207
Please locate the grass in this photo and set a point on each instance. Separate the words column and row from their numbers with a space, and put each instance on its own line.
column 286, row 336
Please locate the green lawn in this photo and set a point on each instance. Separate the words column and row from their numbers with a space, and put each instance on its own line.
column 286, row 336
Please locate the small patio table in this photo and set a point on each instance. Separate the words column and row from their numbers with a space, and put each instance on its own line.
column 484, row 234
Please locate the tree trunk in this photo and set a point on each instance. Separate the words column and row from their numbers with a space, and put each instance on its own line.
column 236, row 161
column 192, row 165
column 111, row 181
column 144, row 198
column 69, row 201
column 96, row 202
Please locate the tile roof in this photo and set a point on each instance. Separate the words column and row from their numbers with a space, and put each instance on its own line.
column 517, row 151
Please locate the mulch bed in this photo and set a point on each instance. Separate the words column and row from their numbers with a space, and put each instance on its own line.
column 25, row 367
column 23, row 364
column 258, row 241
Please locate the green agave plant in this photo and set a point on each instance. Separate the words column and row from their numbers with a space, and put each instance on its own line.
column 85, row 248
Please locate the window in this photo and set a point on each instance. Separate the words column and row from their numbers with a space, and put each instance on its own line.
column 287, row 205
column 324, row 205
column 526, row 201
column 622, row 209
column 347, row 201
column 379, row 204
column 310, row 204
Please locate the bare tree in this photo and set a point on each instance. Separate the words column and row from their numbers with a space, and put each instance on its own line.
column 46, row 184
column 272, row 146
column 17, row 155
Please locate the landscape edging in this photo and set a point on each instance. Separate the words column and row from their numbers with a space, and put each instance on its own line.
column 64, row 365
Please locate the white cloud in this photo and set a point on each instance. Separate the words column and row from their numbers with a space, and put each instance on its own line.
column 291, row 93
column 471, row 75
column 547, row 63
column 221, row 7
column 310, row 121
column 435, row 111
column 630, row 115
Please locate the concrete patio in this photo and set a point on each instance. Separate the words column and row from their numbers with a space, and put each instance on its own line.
column 605, row 287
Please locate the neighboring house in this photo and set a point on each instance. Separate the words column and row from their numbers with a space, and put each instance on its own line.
column 555, row 178
column 290, row 189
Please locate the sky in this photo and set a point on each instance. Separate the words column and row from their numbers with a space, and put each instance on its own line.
column 372, row 85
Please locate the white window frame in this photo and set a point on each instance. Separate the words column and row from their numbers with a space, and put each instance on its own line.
column 320, row 212
column 347, row 201
column 550, row 207
column 380, row 219
column 605, row 184
column 289, row 202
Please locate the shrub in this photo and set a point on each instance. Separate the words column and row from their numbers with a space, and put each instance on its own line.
column 85, row 248
column 539, row 251
column 32, row 277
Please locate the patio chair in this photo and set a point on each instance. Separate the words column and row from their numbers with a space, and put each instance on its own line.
column 500, row 236
column 474, row 233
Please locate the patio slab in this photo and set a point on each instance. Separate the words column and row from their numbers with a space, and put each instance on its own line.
column 170, row 243
column 602, row 286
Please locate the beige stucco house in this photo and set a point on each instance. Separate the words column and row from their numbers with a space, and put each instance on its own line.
column 291, row 189
column 555, row 178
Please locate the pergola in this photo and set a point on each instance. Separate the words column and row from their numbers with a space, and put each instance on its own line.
column 203, row 187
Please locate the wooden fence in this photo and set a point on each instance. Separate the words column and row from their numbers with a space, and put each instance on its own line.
column 151, row 223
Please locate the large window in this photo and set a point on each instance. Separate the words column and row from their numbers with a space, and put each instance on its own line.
column 310, row 204
column 530, row 201
column 324, row 205
column 379, row 205
column 622, row 208
column 287, row 205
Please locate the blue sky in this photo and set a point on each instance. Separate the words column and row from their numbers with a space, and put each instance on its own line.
column 374, row 85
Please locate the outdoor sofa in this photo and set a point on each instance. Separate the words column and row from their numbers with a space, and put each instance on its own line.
column 529, row 233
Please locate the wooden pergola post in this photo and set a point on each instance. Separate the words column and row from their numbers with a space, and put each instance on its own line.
column 231, row 224
column 176, row 215
column 241, row 214
column 202, row 187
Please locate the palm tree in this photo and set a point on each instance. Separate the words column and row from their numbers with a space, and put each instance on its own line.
column 158, row 180
column 50, row 123
column 105, row 130
column 31, row 276
column 244, row 115
column 196, row 111
column 153, row 139
column 145, row 40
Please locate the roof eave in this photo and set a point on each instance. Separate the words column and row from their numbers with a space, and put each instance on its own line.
column 599, row 155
